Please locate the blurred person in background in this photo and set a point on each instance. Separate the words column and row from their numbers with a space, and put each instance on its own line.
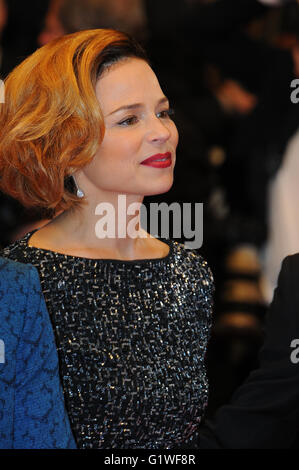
column 264, row 411
column 283, row 194
column 52, row 27
column 69, row 16
column 23, row 23
column 3, row 19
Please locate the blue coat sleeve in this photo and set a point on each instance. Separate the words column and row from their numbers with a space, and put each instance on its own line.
column 35, row 411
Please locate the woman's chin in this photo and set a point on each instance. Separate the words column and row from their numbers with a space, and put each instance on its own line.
column 160, row 189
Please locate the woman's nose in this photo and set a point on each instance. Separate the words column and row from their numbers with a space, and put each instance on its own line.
column 159, row 131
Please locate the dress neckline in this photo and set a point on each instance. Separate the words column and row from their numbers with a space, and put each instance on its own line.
column 102, row 260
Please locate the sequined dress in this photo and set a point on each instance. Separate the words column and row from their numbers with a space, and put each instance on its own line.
column 131, row 339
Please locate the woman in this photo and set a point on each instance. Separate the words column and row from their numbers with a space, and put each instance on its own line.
column 85, row 121
column 32, row 412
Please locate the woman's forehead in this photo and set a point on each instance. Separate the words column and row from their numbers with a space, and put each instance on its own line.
column 128, row 79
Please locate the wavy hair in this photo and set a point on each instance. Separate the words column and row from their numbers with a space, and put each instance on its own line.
column 51, row 123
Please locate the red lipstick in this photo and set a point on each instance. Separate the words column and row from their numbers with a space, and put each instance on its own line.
column 160, row 160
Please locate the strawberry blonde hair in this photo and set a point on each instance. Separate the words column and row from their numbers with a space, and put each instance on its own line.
column 51, row 123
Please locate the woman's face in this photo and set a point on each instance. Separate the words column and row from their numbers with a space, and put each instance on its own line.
column 137, row 126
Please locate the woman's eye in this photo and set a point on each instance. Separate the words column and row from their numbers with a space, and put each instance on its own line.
column 129, row 121
column 167, row 113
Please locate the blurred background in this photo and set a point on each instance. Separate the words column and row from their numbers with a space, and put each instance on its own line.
column 227, row 68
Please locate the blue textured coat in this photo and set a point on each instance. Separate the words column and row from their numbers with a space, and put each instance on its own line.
column 32, row 412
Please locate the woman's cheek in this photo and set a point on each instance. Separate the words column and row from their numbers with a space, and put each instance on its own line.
column 175, row 133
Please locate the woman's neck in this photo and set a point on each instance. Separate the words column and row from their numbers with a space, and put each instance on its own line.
column 80, row 233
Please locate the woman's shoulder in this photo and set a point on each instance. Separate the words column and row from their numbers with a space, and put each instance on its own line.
column 291, row 264
column 194, row 263
column 289, row 275
column 15, row 277
column 19, row 283
column 17, row 251
column 189, row 254
column 10, row 268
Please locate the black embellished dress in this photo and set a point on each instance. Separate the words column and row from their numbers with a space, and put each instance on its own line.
column 131, row 338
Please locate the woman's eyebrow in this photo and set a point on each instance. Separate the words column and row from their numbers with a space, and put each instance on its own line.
column 136, row 106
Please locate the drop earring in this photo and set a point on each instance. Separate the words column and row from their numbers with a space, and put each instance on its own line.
column 79, row 191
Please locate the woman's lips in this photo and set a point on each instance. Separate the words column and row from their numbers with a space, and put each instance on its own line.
column 160, row 160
